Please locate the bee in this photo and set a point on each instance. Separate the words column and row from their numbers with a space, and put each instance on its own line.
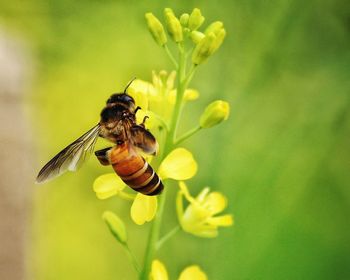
column 118, row 125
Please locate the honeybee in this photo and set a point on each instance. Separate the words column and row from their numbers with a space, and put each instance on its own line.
column 118, row 125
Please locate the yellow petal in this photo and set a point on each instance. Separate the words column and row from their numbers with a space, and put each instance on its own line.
column 143, row 208
column 172, row 97
column 151, row 122
column 186, row 193
column 215, row 202
column 107, row 185
column 171, row 80
column 205, row 233
column 190, row 95
column 178, row 165
column 193, row 272
column 158, row 271
column 139, row 86
column 223, row 221
column 202, row 195
column 139, row 90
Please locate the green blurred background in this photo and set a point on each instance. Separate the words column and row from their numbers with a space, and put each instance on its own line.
column 282, row 158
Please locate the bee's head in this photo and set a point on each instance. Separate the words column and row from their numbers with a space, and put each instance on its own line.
column 121, row 98
column 119, row 106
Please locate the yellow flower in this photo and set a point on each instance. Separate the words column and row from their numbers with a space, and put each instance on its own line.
column 198, row 218
column 143, row 209
column 108, row 185
column 192, row 272
column 189, row 95
column 178, row 165
column 157, row 99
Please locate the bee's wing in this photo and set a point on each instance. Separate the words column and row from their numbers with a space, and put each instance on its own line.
column 71, row 157
column 143, row 139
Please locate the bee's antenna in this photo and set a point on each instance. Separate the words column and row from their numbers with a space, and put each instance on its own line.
column 129, row 84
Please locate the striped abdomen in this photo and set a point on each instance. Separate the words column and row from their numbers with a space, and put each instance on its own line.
column 135, row 171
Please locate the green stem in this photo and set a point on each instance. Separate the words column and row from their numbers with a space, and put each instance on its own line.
column 166, row 237
column 191, row 73
column 170, row 55
column 132, row 258
column 153, row 237
column 155, row 229
column 182, row 83
column 187, row 135
column 181, row 87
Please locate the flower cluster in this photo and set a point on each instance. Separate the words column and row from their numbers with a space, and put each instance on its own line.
column 198, row 218
column 206, row 42
column 162, row 101
column 157, row 99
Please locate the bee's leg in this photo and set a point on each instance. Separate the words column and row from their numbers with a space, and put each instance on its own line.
column 102, row 156
column 143, row 122
column 137, row 108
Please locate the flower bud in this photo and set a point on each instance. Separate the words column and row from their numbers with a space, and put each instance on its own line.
column 215, row 113
column 116, row 226
column 203, row 49
column 215, row 27
column 156, row 29
column 184, row 19
column 197, row 36
column 173, row 25
column 218, row 41
column 196, row 19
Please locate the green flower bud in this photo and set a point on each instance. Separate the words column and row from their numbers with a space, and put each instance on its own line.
column 215, row 113
column 186, row 31
column 196, row 19
column 215, row 27
column 184, row 19
column 197, row 36
column 219, row 39
column 115, row 225
column 203, row 49
column 156, row 29
column 173, row 25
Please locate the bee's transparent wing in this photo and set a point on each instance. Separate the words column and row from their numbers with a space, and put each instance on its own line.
column 71, row 157
column 143, row 139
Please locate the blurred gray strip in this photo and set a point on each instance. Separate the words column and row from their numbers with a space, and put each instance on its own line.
column 16, row 158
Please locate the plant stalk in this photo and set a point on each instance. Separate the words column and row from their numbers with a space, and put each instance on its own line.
column 187, row 135
column 167, row 236
column 169, row 144
column 132, row 258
